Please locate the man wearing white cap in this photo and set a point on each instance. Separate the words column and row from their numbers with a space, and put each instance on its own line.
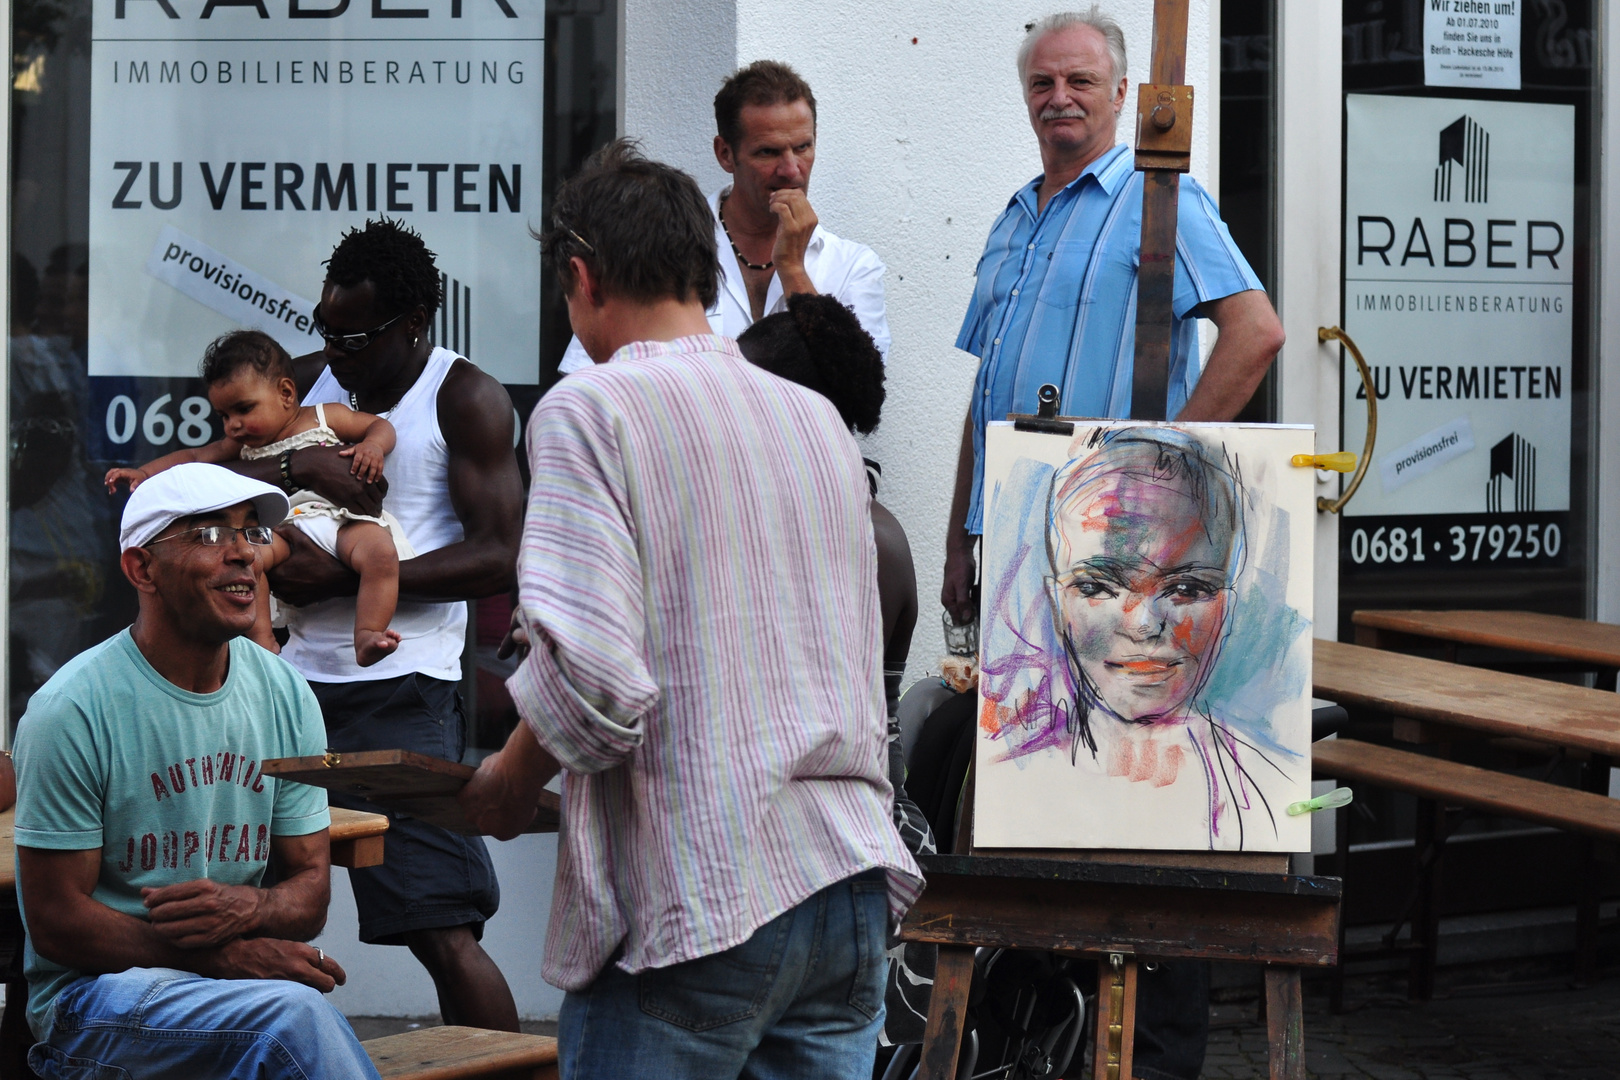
column 144, row 824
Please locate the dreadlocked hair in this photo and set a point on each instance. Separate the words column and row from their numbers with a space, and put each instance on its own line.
column 818, row 343
column 394, row 259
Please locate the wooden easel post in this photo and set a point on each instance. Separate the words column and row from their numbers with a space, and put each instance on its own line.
column 1115, row 1047
column 1164, row 108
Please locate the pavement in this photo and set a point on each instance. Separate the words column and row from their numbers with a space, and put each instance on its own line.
column 1504, row 1021
column 1487, row 1022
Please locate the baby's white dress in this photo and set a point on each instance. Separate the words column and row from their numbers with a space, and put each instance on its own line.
column 313, row 515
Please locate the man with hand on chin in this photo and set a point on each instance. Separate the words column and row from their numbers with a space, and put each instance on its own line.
column 769, row 242
column 144, row 825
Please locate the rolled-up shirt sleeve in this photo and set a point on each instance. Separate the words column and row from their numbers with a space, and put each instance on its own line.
column 584, row 688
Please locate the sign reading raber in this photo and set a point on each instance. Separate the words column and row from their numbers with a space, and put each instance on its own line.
column 234, row 141
column 1458, row 286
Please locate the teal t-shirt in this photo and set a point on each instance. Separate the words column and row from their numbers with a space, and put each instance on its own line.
column 166, row 783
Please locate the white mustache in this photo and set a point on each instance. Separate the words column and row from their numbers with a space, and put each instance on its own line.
column 1073, row 112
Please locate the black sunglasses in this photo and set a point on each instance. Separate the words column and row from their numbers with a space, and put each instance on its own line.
column 350, row 342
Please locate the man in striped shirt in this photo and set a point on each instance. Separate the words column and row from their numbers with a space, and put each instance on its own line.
column 1055, row 302
column 1055, row 299
column 698, row 585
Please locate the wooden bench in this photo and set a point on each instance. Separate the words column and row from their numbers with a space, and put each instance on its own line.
column 463, row 1053
column 356, row 838
column 1455, row 784
column 1438, row 703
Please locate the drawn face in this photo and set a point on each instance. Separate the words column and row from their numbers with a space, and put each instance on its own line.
column 1141, row 592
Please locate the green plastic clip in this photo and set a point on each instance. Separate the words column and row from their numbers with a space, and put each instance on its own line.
column 1331, row 801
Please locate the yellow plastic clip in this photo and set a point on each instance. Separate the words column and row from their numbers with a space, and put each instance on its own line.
column 1343, row 461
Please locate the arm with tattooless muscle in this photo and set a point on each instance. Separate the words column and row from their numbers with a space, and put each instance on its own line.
column 218, row 931
column 372, row 437
column 215, row 453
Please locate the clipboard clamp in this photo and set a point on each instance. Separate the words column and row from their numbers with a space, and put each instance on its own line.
column 1045, row 421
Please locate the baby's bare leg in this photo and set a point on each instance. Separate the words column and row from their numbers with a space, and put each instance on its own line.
column 270, row 556
column 368, row 550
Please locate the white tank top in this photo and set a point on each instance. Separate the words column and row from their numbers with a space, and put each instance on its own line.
column 432, row 635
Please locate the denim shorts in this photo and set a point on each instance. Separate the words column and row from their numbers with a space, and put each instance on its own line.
column 430, row 877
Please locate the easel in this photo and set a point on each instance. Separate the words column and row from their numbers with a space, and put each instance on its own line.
column 1123, row 908
column 1127, row 907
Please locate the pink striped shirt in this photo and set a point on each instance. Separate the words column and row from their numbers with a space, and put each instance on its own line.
column 699, row 578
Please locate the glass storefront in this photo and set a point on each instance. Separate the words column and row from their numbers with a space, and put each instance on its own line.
column 1468, row 282
column 101, row 350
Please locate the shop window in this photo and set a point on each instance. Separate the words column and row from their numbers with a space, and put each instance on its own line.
column 81, row 399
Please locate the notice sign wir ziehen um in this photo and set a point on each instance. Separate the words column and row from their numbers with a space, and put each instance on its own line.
column 1471, row 43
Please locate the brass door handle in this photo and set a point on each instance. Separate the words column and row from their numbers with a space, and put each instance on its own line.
column 1333, row 333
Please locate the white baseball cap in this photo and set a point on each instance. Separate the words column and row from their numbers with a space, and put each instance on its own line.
column 194, row 488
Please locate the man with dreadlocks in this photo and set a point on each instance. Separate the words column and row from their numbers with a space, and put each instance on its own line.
column 453, row 483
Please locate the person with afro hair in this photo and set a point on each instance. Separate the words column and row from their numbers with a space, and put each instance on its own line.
column 818, row 343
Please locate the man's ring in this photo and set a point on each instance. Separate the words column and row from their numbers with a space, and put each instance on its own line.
column 320, row 957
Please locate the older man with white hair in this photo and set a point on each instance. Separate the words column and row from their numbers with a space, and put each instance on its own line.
column 1055, row 302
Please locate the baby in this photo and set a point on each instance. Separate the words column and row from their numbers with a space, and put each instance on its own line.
column 250, row 384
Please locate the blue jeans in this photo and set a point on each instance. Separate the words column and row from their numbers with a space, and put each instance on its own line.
column 802, row 997
column 157, row 1023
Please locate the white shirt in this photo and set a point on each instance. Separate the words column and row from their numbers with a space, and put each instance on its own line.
column 842, row 268
column 432, row 635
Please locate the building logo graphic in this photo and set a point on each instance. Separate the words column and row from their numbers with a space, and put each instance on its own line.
column 1512, row 485
column 454, row 329
column 1465, row 147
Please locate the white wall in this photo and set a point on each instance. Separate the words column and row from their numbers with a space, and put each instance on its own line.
column 1607, row 503
column 1308, row 165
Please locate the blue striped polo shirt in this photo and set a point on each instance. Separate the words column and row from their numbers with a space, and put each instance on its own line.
column 1055, row 300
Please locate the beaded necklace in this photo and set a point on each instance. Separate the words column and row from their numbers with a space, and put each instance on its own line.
column 736, row 250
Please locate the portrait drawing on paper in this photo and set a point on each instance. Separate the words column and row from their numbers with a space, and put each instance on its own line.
column 1145, row 646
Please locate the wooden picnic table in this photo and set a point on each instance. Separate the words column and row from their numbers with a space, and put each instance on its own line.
column 1439, row 702
column 1431, row 698
column 1592, row 644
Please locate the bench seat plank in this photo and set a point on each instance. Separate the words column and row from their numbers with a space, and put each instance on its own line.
column 463, row 1053
column 1490, row 702
column 1520, row 631
column 1455, row 784
column 356, row 838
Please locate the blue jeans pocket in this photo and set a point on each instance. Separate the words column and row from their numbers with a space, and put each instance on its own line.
column 871, row 902
column 716, row 990
column 51, row 1064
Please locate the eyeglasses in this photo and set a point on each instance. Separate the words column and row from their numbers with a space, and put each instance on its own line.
column 350, row 342
column 221, row 535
